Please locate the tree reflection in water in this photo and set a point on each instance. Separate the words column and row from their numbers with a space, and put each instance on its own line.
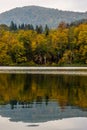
column 24, row 89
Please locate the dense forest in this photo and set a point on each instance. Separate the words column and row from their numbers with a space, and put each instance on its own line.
column 27, row 45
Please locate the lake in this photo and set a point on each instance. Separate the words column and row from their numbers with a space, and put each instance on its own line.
column 43, row 101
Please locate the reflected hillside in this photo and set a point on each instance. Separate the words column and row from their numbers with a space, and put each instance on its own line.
column 65, row 89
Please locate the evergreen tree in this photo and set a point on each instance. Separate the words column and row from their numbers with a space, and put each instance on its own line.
column 13, row 26
column 31, row 27
column 46, row 30
column 39, row 29
column 22, row 26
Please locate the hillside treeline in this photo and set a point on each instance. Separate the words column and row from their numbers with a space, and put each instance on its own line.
column 26, row 45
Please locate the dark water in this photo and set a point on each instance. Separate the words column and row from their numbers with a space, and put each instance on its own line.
column 35, row 98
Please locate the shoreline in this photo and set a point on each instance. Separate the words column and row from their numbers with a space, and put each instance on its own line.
column 41, row 68
column 44, row 70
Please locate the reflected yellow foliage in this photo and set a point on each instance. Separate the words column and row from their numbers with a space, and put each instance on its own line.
column 66, row 89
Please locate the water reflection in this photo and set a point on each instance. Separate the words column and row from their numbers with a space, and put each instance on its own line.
column 41, row 98
column 65, row 124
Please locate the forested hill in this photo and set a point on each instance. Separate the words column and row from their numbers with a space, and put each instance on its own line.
column 40, row 16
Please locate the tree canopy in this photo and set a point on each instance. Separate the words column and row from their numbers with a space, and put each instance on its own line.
column 26, row 45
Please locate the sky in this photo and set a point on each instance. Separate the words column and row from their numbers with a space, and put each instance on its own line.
column 70, row 5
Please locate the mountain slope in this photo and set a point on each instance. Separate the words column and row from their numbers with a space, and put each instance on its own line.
column 39, row 15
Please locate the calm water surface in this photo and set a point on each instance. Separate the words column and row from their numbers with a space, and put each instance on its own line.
column 40, row 101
